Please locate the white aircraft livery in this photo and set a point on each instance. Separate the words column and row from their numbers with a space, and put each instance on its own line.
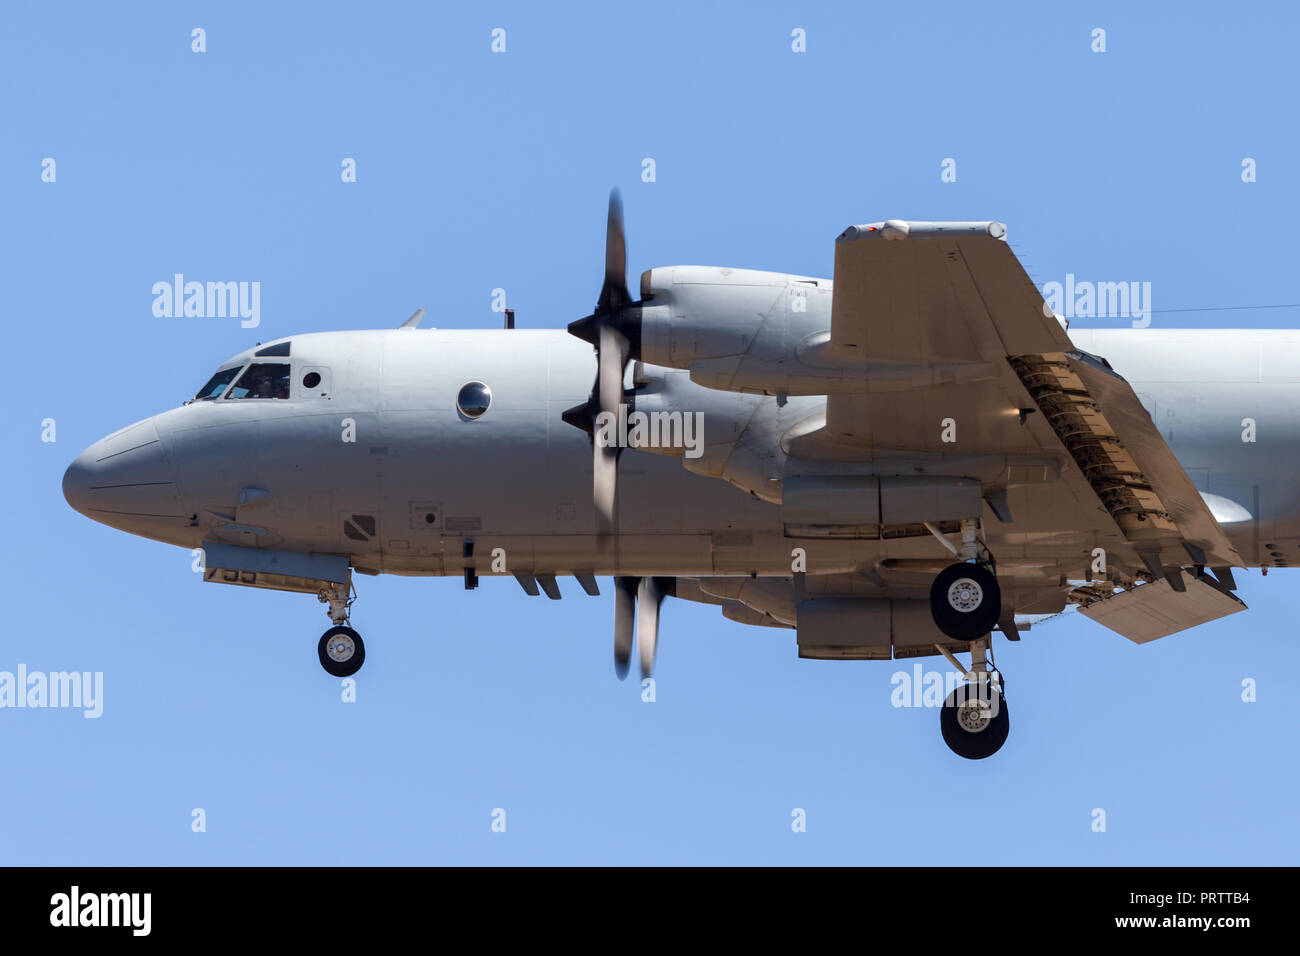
column 894, row 464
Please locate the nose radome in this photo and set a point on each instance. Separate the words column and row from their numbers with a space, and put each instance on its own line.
column 76, row 482
column 122, row 476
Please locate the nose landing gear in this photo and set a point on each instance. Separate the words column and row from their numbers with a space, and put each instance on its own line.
column 340, row 649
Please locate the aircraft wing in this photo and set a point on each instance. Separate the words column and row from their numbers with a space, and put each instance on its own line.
column 936, row 292
column 1011, row 389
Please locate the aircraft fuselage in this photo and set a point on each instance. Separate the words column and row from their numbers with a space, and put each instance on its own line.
column 378, row 464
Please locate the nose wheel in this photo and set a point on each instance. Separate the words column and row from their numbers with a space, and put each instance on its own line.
column 341, row 651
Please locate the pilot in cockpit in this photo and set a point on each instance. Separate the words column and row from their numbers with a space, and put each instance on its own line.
column 267, row 384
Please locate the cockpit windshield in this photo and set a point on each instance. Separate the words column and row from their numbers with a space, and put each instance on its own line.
column 217, row 384
column 262, row 380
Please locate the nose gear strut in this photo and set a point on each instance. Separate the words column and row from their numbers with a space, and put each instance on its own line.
column 340, row 649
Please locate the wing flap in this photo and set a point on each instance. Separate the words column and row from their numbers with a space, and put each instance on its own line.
column 1136, row 431
column 1156, row 610
column 1102, row 424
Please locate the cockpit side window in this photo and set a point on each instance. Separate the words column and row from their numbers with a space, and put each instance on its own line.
column 217, row 384
column 262, row 380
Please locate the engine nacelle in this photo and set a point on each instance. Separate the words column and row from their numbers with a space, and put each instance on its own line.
column 692, row 314
column 706, row 428
column 766, row 333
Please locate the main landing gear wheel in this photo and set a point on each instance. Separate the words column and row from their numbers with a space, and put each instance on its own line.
column 341, row 651
column 965, row 601
column 974, row 720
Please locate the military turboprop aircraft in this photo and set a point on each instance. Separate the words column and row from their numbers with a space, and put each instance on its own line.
column 896, row 464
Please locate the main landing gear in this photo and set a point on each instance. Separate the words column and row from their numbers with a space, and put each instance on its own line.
column 966, row 604
column 341, row 650
column 973, row 719
column 965, row 599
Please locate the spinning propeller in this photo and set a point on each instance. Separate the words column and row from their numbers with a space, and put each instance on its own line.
column 636, row 601
column 614, row 328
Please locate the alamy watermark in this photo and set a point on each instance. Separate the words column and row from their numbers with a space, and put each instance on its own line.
column 635, row 429
column 38, row 689
column 922, row 688
column 1073, row 299
column 208, row 300
column 77, row 908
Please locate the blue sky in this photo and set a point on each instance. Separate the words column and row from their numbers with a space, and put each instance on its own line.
column 476, row 171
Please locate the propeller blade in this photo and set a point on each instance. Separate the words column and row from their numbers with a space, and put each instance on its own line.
column 624, row 615
column 604, row 470
column 614, row 294
column 614, row 328
column 609, row 391
column 613, row 359
column 650, row 593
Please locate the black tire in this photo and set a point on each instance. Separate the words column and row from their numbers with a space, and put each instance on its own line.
column 960, row 722
column 965, row 613
column 348, row 666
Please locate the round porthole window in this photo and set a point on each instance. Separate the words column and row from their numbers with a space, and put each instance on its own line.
column 474, row 399
column 311, row 380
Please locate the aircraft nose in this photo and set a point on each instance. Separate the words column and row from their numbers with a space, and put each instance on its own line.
column 123, row 477
column 76, row 482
